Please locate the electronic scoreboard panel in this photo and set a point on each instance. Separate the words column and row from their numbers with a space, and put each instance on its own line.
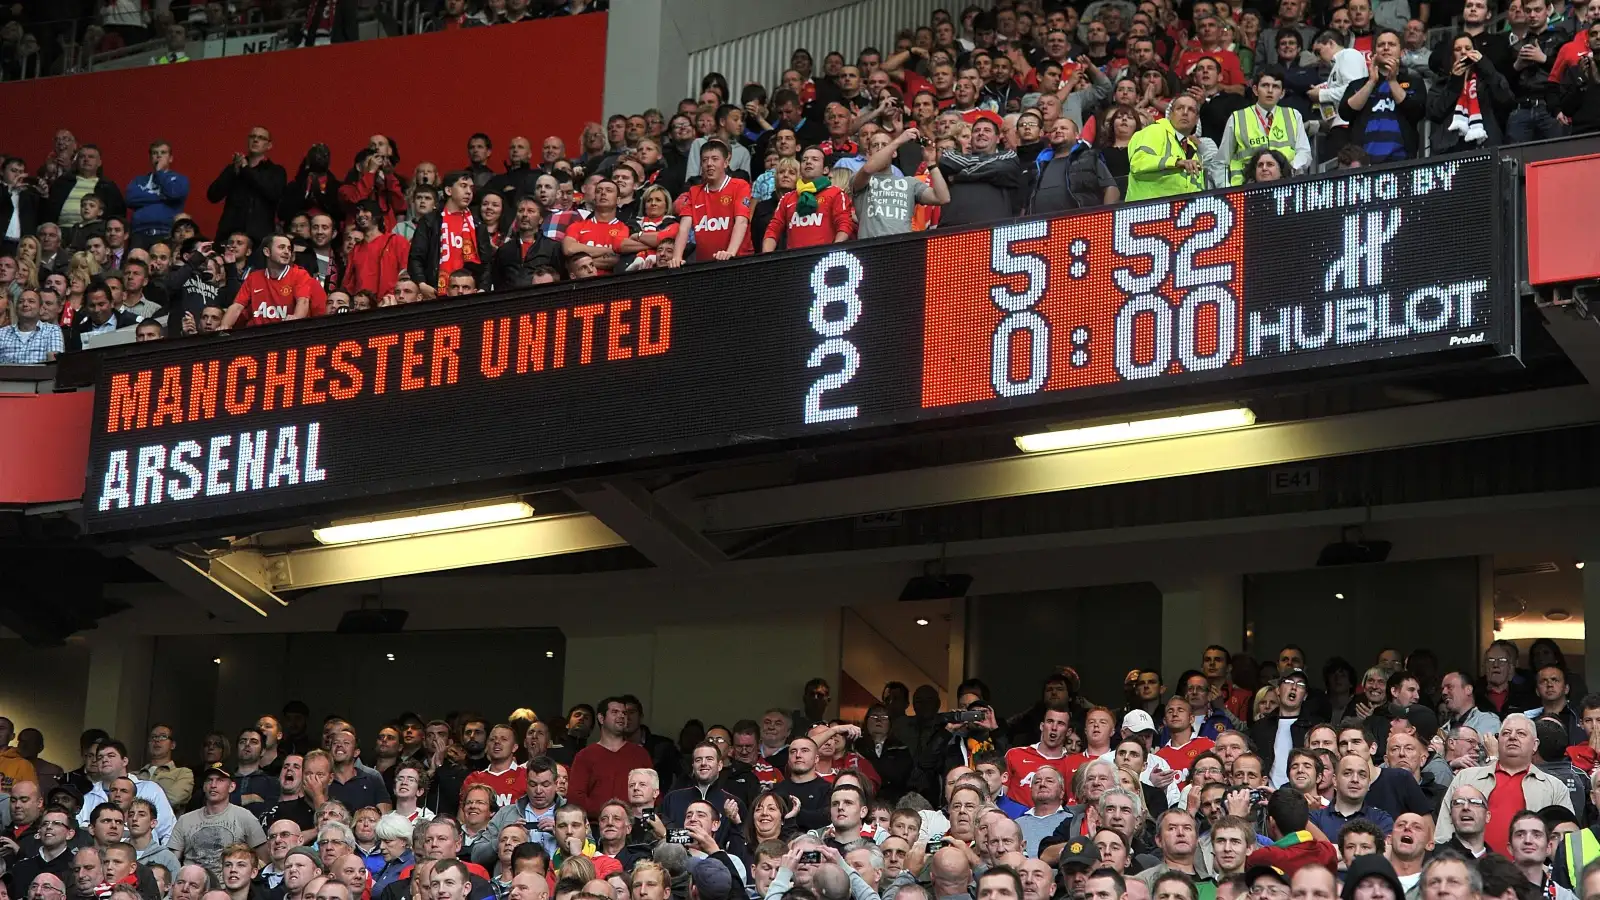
column 1364, row 266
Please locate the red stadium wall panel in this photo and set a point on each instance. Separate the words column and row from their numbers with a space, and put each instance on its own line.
column 47, row 463
column 1560, row 197
column 429, row 92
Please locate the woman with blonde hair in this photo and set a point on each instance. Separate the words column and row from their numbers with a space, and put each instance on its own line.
column 27, row 265
column 80, row 272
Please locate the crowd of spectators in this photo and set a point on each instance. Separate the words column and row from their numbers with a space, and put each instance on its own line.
column 40, row 38
column 1032, row 106
column 1234, row 779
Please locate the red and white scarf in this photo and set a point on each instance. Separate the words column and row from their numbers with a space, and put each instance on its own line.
column 1468, row 120
column 458, row 244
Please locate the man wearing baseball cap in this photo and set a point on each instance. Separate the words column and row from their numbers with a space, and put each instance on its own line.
column 1078, row 858
column 1274, row 884
column 1284, row 730
column 200, row 835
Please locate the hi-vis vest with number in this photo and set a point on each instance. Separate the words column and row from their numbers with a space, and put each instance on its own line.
column 1248, row 137
column 1582, row 848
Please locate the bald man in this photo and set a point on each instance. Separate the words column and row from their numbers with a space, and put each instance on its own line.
column 528, row 885
column 46, row 887
column 1313, row 882
column 350, row 871
column 1038, row 879
column 952, row 872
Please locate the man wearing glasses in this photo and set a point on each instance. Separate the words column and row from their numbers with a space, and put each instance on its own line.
column 52, row 863
column 176, row 781
column 1468, row 811
column 1500, row 690
column 47, row 887
column 249, row 189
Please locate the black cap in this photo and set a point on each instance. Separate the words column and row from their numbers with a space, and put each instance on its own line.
column 1254, row 872
column 1296, row 673
column 1079, row 852
column 1423, row 719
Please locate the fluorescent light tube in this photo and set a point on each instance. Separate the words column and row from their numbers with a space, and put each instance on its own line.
column 378, row 529
column 1138, row 430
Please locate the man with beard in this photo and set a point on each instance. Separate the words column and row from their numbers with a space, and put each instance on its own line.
column 376, row 261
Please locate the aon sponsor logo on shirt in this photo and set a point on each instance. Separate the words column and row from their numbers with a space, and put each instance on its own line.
column 272, row 311
column 713, row 223
column 808, row 221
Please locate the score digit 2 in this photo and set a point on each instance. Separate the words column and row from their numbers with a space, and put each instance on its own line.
column 1029, row 308
column 827, row 303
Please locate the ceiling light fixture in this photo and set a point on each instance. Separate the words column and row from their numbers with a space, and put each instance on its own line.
column 1137, row 430
column 1578, row 564
column 1338, row 596
column 377, row 528
column 922, row 621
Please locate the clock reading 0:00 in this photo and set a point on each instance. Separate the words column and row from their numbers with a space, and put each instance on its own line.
column 1175, row 331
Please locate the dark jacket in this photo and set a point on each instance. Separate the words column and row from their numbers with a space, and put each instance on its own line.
column 83, row 325
column 1265, row 732
column 512, row 185
column 1531, row 82
column 982, row 188
column 1580, row 98
column 444, row 785
column 512, row 266
column 676, row 803
column 190, row 291
column 1519, row 697
column 1493, row 93
column 1074, row 180
column 424, row 262
column 249, row 198
column 311, row 191
column 894, row 765
column 110, row 196
column 24, row 870
column 30, row 204
column 1215, row 111
column 1410, row 111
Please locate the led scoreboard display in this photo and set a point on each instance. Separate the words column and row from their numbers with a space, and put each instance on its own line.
column 1362, row 267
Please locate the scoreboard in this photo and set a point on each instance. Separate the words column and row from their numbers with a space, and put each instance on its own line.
column 1025, row 317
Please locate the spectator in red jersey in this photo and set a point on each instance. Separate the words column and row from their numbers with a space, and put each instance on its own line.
column 1212, row 41
column 451, row 238
column 375, row 262
column 603, row 236
column 276, row 292
column 814, row 213
column 526, row 250
column 600, row 770
column 503, row 777
column 718, row 210
column 1022, row 762
column 374, row 178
